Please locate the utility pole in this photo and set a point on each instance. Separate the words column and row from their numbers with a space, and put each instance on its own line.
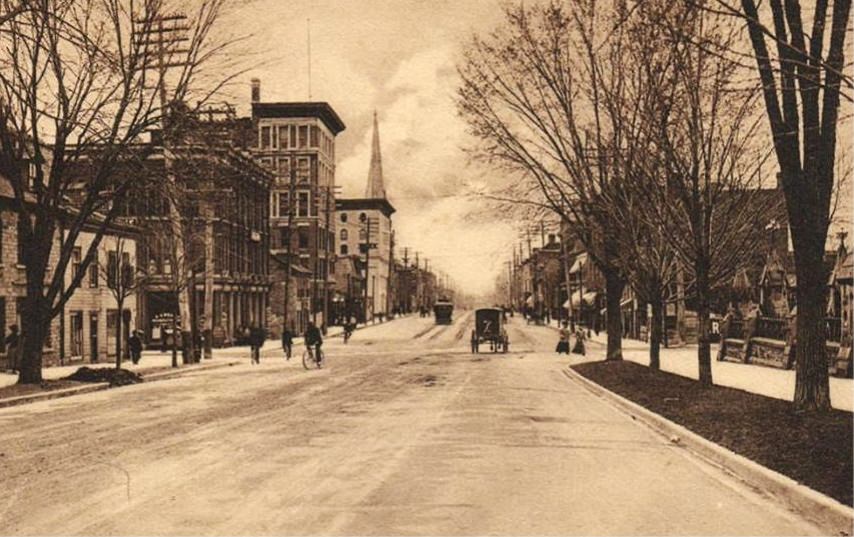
column 292, row 175
column 163, row 32
column 368, row 223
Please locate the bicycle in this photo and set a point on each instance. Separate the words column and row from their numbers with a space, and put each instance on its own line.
column 309, row 361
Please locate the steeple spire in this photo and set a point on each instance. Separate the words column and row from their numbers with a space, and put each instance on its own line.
column 376, row 188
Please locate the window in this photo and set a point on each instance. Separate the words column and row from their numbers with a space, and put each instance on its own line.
column 75, row 261
column 127, row 270
column 303, row 237
column 283, row 204
column 112, row 268
column 303, row 136
column 283, row 237
column 344, row 249
column 315, row 136
column 343, row 218
column 284, row 166
column 274, row 205
column 303, row 169
column 20, row 241
column 267, row 163
column 303, row 204
column 93, row 273
column 265, row 138
column 292, row 139
column 283, row 136
column 343, row 235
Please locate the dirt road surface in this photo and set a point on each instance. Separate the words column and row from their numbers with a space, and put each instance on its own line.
column 403, row 433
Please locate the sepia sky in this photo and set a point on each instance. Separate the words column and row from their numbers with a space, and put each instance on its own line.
column 398, row 58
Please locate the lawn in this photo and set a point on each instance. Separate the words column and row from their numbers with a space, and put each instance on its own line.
column 814, row 449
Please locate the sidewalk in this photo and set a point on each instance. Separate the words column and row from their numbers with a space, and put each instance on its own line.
column 767, row 381
column 155, row 360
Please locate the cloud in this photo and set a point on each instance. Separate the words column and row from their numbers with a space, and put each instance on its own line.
column 426, row 173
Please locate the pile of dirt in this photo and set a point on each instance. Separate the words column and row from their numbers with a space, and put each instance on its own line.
column 116, row 377
column 812, row 448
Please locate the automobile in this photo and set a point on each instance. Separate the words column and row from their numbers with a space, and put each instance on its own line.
column 489, row 328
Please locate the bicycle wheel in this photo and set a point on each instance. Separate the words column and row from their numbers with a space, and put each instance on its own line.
column 308, row 361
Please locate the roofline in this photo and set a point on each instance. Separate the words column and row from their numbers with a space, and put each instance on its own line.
column 321, row 109
column 355, row 204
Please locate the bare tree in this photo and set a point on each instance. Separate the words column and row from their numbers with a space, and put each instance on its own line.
column 75, row 93
column 703, row 181
column 533, row 93
column 803, row 72
column 124, row 279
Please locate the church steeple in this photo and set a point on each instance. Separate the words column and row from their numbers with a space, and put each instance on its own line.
column 376, row 187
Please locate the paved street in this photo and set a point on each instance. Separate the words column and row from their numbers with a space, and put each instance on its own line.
column 405, row 432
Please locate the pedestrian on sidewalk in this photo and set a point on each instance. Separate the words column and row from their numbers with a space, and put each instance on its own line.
column 287, row 342
column 135, row 347
column 580, row 336
column 563, row 342
column 12, row 344
column 256, row 341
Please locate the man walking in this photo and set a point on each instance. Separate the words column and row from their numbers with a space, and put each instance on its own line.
column 256, row 341
column 12, row 354
column 135, row 346
column 287, row 342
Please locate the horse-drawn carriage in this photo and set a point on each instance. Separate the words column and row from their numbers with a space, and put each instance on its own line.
column 443, row 310
column 489, row 327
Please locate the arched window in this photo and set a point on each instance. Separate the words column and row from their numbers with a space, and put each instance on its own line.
column 344, row 249
column 343, row 234
column 343, row 218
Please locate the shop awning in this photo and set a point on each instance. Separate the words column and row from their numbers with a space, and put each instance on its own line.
column 579, row 261
column 589, row 299
column 623, row 303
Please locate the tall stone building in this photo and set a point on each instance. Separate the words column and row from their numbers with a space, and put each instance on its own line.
column 296, row 141
column 365, row 228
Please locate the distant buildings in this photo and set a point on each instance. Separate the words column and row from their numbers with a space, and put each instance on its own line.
column 365, row 229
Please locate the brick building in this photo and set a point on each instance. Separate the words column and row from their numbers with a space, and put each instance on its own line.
column 296, row 141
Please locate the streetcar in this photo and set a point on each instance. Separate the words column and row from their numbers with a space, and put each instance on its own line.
column 443, row 311
column 489, row 328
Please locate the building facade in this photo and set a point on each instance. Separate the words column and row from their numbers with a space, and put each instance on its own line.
column 296, row 142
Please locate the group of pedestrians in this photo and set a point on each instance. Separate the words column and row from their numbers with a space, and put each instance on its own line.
column 564, row 339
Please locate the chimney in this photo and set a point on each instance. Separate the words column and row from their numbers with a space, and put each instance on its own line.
column 256, row 90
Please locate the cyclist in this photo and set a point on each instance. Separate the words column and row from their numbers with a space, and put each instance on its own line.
column 313, row 339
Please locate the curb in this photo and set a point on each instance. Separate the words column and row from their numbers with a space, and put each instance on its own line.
column 99, row 386
column 830, row 515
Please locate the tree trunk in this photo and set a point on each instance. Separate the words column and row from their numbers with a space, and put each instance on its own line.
column 174, row 341
column 704, row 352
column 655, row 332
column 614, row 286
column 35, row 323
column 120, row 304
column 812, row 389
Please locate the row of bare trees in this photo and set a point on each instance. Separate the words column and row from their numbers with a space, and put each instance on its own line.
column 638, row 125
column 81, row 82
